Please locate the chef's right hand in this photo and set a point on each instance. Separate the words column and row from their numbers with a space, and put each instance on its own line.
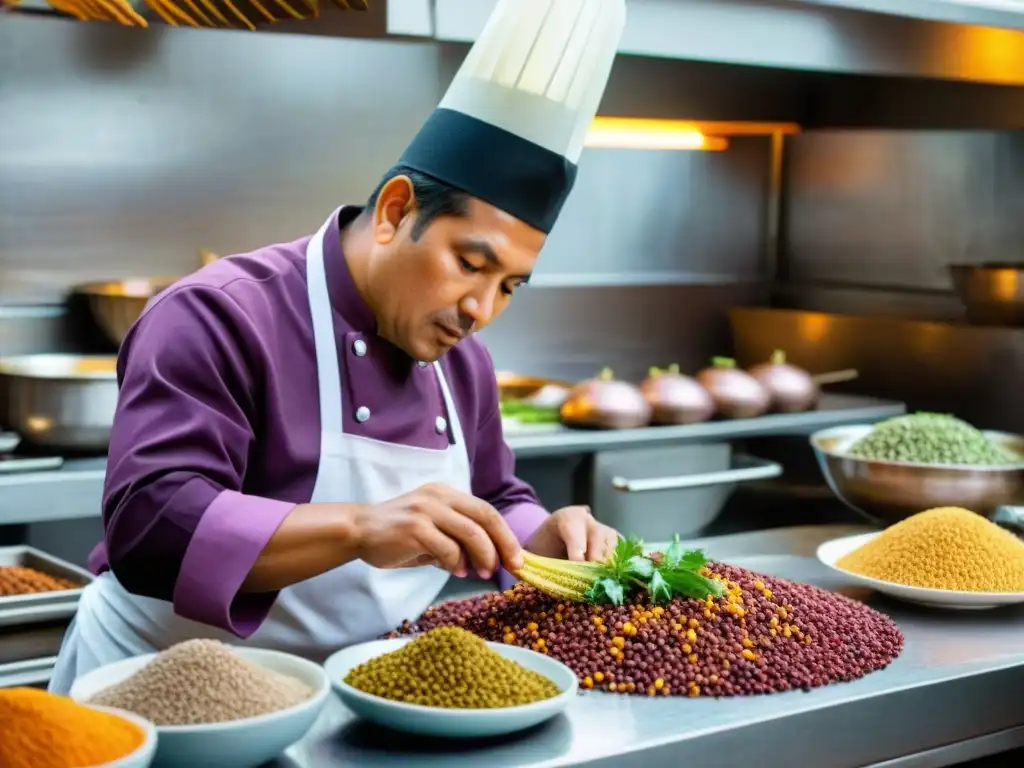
column 437, row 525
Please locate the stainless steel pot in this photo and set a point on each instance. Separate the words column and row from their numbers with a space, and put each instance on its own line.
column 59, row 401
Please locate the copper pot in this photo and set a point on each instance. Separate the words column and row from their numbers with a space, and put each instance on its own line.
column 117, row 304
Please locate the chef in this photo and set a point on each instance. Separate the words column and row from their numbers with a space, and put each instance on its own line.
column 307, row 443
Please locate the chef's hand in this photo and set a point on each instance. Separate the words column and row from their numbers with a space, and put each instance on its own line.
column 436, row 525
column 573, row 532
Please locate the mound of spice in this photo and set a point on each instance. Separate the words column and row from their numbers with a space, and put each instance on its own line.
column 203, row 681
column 40, row 730
column 931, row 438
column 943, row 548
column 763, row 634
column 19, row 580
column 451, row 668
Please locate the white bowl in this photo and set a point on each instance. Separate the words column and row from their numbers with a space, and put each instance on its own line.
column 831, row 552
column 143, row 755
column 240, row 743
column 450, row 723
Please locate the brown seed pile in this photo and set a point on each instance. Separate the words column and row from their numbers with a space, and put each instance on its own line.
column 943, row 548
column 202, row 681
column 764, row 635
column 19, row 580
column 451, row 668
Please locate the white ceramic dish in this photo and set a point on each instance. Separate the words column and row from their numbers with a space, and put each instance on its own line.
column 141, row 757
column 239, row 744
column 450, row 723
column 831, row 552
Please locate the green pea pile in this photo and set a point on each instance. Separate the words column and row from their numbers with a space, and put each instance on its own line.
column 452, row 669
column 931, row 438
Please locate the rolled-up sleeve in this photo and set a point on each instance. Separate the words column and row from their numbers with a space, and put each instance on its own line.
column 177, row 525
column 494, row 473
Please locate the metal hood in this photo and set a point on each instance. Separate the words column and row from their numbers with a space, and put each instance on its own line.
column 967, row 40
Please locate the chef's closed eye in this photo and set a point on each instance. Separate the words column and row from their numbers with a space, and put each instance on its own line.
column 468, row 263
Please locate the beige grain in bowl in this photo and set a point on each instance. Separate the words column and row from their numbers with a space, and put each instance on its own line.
column 213, row 704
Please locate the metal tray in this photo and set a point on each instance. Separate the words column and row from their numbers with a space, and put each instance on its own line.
column 31, row 672
column 41, row 606
column 32, row 642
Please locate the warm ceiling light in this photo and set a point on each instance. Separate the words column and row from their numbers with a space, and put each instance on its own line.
column 649, row 133
column 630, row 133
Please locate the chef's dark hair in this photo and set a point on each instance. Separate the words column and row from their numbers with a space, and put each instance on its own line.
column 434, row 198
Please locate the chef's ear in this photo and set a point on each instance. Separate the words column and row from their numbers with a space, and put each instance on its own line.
column 395, row 202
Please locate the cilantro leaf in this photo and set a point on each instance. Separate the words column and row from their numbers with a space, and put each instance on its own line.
column 640, row 566
column 692, row 560
column 612, row 589
column 626, row 549
column 690, row 584
column 658, row 588
column 674, row 553
column 677, row 557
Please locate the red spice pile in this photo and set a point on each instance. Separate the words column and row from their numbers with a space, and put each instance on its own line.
column 764, row 635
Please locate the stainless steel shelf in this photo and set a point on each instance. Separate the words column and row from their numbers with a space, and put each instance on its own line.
column 31, row 672
column 75, row 490
column 834, row 410
column 948, row 698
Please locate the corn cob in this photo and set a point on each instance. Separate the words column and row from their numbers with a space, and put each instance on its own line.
column 562, row 579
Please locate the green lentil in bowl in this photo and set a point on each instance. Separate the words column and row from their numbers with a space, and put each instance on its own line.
column 931, row 438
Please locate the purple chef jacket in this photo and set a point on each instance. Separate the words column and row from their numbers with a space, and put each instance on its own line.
column 216, row 437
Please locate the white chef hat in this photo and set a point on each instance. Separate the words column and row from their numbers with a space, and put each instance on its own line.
column 511, row 127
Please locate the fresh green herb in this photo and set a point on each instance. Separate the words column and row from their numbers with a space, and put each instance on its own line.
column 662, row 576
column 528, row 413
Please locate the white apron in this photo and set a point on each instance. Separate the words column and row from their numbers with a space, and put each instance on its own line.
column 350, row 604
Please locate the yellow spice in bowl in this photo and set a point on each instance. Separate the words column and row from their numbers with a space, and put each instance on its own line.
column 944, row 548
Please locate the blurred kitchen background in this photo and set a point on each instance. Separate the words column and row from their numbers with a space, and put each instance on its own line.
column 124, row 152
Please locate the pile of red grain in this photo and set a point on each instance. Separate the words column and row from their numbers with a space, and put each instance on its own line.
column 764, row 635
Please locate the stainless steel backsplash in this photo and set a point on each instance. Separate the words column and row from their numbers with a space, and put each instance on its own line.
column 123, row 153
column 874, row 217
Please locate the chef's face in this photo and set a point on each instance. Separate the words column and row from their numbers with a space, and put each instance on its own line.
column 452, row 279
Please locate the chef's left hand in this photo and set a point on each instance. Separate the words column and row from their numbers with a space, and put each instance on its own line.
column 573, row 532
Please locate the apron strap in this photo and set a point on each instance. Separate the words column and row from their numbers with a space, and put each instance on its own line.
column 323, row 331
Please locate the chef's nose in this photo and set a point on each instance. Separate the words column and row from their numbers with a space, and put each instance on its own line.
column 480, row 308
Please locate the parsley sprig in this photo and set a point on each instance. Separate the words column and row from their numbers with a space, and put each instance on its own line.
column 663, row 576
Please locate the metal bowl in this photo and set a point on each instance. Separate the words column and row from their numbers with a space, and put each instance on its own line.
column 59, row 401
column 117, row 304
column 886, row 492
column 992, row 293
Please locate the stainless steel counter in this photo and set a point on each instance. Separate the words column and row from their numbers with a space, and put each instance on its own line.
column 953, row 695
column 74, row 491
